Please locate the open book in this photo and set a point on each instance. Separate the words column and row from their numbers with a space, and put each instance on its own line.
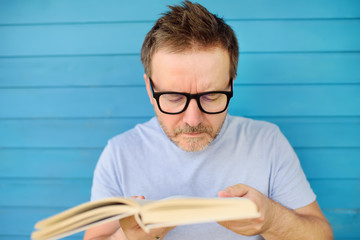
column 149, row 214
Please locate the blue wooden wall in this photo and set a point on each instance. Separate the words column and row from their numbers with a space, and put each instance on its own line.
column 71, row 78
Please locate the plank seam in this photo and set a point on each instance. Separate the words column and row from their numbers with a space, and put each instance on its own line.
column 152, row 21
column 236, row 84
column 258, row 117
column 138, row 54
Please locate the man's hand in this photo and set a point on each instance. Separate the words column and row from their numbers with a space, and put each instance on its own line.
column 125, row 229
column 276, row 221
column 249, row 227
column 133, row 231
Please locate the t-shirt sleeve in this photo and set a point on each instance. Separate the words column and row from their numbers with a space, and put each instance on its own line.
column 289, row 185
column 106, row 180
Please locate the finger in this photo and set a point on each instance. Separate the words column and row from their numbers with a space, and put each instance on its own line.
column 224, row 194
column 238, row 190
column 138, row 197
column 160, row 232
column 237, row 223
column 132, row 230
column 129, row 223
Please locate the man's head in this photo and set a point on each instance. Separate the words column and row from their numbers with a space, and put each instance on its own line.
column 190, row 51
column 189, row 27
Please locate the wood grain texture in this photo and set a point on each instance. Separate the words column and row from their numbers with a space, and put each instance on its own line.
column 66, row 11
column 113, row 38
column 126, row 70
column 129, row 101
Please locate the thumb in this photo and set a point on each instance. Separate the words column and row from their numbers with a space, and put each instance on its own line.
column 138, row 197
column 238, row 190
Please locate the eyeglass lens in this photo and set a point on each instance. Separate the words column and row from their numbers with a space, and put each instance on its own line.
column 174, row 103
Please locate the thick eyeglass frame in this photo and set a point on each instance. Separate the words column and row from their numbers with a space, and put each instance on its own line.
column 189, row 96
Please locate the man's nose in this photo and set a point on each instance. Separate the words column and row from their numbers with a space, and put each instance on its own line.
column 193, row 115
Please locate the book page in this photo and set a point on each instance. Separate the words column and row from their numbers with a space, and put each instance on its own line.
column 196, row 210
column 84, row 208
column 84, row 221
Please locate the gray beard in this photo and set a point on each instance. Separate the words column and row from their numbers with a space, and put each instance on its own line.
column 193, row 143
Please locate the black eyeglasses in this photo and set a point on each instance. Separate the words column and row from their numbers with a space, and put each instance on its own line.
column 213, row 102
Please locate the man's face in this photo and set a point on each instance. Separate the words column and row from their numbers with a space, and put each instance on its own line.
column 192, row 72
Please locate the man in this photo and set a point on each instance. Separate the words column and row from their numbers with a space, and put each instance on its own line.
column 194, row 148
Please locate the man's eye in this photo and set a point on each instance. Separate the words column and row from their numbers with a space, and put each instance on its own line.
column 210, row 97
column 175, row 98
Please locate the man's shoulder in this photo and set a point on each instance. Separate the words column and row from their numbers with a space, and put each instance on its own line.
column 251, row 124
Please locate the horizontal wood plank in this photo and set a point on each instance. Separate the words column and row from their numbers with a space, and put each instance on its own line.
column 344, row 222
column 94, row 133
column 331, row 193
column 300, row 100
column 125, row 70
column 48, row 163
column 118, row 70
column 335, row 163
column 283, row 36
column 248, row 100
column 83, row 133
column 78, row 236
column 60, row 193
column 318, row 163
column 19, row 222
column 320, row 132
column 298, row 68
column 112, row 38
column 337, row 193
column 75, row 102
column 50, row 11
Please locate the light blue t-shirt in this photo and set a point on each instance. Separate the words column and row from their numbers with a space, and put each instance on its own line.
column 143, row 161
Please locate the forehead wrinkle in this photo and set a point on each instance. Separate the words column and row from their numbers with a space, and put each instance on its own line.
column 185, row 74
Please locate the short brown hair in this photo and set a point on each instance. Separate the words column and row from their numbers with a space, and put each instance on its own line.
column 186, row 27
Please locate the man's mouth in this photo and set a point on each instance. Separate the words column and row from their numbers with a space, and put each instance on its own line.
column 193, row 131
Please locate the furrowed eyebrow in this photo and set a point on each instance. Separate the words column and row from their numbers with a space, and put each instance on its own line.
column 174, row 92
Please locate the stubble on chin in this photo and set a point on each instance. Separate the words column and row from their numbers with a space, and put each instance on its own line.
column 191, row 144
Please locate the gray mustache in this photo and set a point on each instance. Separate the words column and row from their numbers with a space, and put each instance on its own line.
column 189, row 129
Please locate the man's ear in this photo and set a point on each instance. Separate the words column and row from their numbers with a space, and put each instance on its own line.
column 148, row 88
